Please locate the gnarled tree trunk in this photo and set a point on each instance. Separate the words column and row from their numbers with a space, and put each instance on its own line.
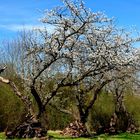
column 32, row 126
column 121, row 120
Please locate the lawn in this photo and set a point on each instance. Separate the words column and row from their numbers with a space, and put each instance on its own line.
column 55, row 135
column 124, row 136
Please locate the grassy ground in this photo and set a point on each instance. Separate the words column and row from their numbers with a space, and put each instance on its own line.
column 55, row 135
column 124, row 136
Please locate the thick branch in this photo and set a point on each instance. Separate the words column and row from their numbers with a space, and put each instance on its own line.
column 96, row 92
column 3, row 69
column 6, row 81
column 37, row 99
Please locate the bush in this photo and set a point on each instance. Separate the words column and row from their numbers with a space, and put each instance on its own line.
column 57, row 120
column 101, row 113
column 132, row 103
column 11, row 108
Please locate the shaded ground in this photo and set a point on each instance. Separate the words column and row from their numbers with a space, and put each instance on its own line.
column 55, row 135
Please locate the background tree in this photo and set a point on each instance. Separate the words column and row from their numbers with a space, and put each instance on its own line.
column 123, row 120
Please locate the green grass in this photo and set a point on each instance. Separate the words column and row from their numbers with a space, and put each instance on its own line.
column 2, row 136
column 55, row 135
column 124, row 136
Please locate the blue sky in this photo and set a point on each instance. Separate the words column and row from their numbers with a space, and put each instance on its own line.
column 18, row 14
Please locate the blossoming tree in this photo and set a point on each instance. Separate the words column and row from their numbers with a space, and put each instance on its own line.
column 84, row 47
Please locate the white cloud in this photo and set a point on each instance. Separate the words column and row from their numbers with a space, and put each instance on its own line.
column 18, row 27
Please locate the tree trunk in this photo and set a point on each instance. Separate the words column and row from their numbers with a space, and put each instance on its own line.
column 78, row 127
column 122, row 120
column 33, row 126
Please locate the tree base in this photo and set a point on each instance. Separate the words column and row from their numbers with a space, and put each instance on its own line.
column 27, row 130
column 122, row 122
column 75, row 129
